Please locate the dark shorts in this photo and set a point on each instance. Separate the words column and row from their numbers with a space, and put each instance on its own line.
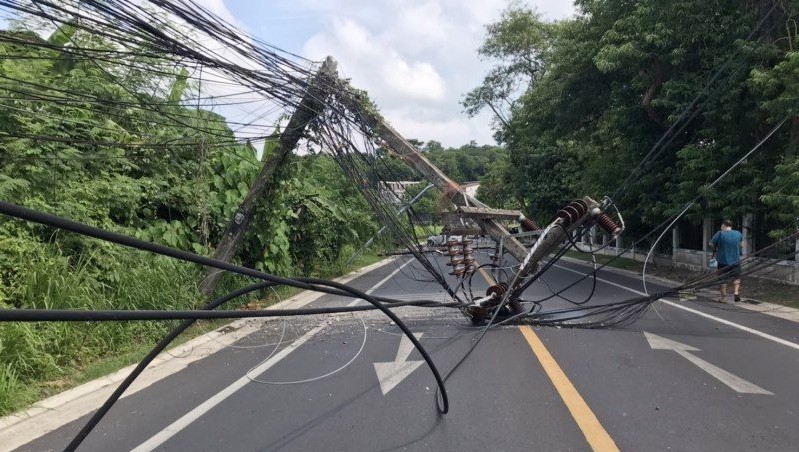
column 729, row 270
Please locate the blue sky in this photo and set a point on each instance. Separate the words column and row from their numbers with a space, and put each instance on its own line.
column 415, row 57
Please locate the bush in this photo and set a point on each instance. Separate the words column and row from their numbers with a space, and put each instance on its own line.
column 37, row 352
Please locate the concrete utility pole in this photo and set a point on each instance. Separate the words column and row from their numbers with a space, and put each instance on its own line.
column 558, row 235
column 311, row 105
column 410, row 155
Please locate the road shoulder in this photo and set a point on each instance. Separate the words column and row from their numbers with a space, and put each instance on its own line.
column 53, row 412
column 763, row 307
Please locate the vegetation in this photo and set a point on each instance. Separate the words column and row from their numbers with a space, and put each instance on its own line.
column 467, row 163
column 134, row 156
column 579, row 103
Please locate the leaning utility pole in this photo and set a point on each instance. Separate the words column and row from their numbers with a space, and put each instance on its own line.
column 410, row 155
column 310, row 107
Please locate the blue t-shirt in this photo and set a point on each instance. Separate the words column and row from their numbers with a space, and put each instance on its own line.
column 728, row 246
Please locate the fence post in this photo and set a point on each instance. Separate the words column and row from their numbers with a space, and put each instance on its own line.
column 796, row 262
column 707, row 225
column 675, row 243
column 746, row 227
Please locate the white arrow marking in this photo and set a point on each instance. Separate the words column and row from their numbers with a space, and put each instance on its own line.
column 735, row 382
column 390, row 374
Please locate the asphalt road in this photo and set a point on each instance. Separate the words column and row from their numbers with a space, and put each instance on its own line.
column 311, row 383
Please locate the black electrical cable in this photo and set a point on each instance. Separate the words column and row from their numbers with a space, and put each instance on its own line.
column 626, row 311
column 303, row 283
column 151, row 355
column 110, row 315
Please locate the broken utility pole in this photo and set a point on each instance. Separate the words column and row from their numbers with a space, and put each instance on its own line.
column 311, row 105
column 410, row 155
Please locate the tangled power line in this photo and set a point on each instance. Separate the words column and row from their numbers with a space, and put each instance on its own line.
column 166, row 37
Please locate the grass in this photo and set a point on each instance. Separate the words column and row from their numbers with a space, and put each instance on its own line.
column 38, row 360
column 751, row 288
column 423, row 232
column 622, row 263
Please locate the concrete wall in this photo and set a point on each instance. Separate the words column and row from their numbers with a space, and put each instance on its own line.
column 783, row 271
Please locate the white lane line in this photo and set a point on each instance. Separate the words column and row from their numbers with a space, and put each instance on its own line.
column 733, row 381
column 206, row 406
column 170, row 431
column 381, row 282
column 699, row 313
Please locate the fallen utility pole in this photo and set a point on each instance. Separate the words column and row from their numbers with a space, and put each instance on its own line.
column 310, row 107
column 410, row 155
column 483, row 212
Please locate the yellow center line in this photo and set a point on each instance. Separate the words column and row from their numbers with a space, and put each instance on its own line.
column 596, row 435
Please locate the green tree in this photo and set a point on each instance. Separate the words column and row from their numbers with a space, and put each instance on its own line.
column 609, row 82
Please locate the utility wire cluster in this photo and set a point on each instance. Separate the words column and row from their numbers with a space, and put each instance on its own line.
column 169, row 36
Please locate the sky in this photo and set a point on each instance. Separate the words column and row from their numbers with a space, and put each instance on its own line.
column 416, row 58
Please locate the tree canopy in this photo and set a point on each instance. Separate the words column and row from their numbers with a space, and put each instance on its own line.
column 609, row 83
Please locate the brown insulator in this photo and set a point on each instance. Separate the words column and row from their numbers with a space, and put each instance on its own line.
column 581, row 206
column 477, row 314
column 608, row 224
column 529, row 225
column 574, row 212
column 457, row 271
column 566, row 219
column 454, row 262
column 497, row 290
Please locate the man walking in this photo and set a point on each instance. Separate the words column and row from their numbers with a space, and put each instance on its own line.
column 727, row 245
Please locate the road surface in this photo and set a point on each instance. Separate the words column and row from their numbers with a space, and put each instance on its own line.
column 689, row 376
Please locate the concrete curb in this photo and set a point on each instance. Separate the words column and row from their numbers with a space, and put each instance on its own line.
column 53, row 412
column 763, row 307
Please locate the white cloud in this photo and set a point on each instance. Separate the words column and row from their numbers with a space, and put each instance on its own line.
column 375, row 65
column 455, row 131
column 419, row 80
column 356, row 38
column 218, row 7
column 416, row 58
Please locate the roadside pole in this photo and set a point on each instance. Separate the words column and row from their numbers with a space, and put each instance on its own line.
column 309, row 108
column 411, row 156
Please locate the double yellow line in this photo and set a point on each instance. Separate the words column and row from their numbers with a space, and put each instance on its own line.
column 596, row 435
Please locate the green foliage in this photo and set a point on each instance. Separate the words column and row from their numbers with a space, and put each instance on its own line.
column 429, row 204
column 495, row 190
column 612, row 80
column 517, row 42
column 467, row 163
column 132, row 157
